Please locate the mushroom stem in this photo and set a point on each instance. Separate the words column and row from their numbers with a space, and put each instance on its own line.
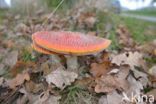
column 72, row 63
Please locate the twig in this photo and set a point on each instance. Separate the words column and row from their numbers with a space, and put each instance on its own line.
column 50, row 16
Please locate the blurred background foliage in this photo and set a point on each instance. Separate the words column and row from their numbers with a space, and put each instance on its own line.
column 108, row 14
column 66, row 3
column 27, row 7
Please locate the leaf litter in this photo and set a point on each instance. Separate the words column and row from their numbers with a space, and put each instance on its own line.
column 18, row 80
column 61, row 78
column 111, row 82
column 131, row 58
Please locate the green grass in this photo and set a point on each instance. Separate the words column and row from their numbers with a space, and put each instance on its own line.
column 146, row 12
column 114, row 45
column 2, row 12
column 27, row 56
column 77, row 95
column 141, row 31
column 150, row 60
column 105, row 18
column 138, row 29
column 65, row 5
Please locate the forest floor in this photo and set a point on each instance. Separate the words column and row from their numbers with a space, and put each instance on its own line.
column 126, row 68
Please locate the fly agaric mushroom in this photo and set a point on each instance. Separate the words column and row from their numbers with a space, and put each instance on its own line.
column 68, row 43
column 41, row 50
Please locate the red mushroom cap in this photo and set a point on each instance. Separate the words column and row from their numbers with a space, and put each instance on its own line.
column 66, row 42
column 41, row 50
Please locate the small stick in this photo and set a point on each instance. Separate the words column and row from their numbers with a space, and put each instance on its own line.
column 51, row 15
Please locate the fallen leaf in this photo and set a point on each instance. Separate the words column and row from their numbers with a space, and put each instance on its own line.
column 152, row 92
column 8, row 43
column 21, row 27
column 92, row 33
column 3, row 52
column 135, row 86
column 18, row 80
column 86, row 82
column 100, row 69
column 129, row 58
column 122, row 77
column 24, row 98
column 61, row 78
column 109, row 82
column 103, row 100
column 32, row 87
column 142, row 77
column 106, row 83
column 90, row 22
column 114, row 71
column 2, row 69
column 27, row 96
column 43, row 98
column 11, row 58
column 123, row 71
column 1, row 80
column 103, row 57
column 148, row 47
column 152, row 71
column 20, row 66
column 101, row 66
column 86, row 19
column 114, row 98
column 46, row 98
column 124, row 36
column 46, row 68
column 111, row 98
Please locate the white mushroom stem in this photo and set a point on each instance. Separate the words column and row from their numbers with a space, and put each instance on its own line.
column 72, row 63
